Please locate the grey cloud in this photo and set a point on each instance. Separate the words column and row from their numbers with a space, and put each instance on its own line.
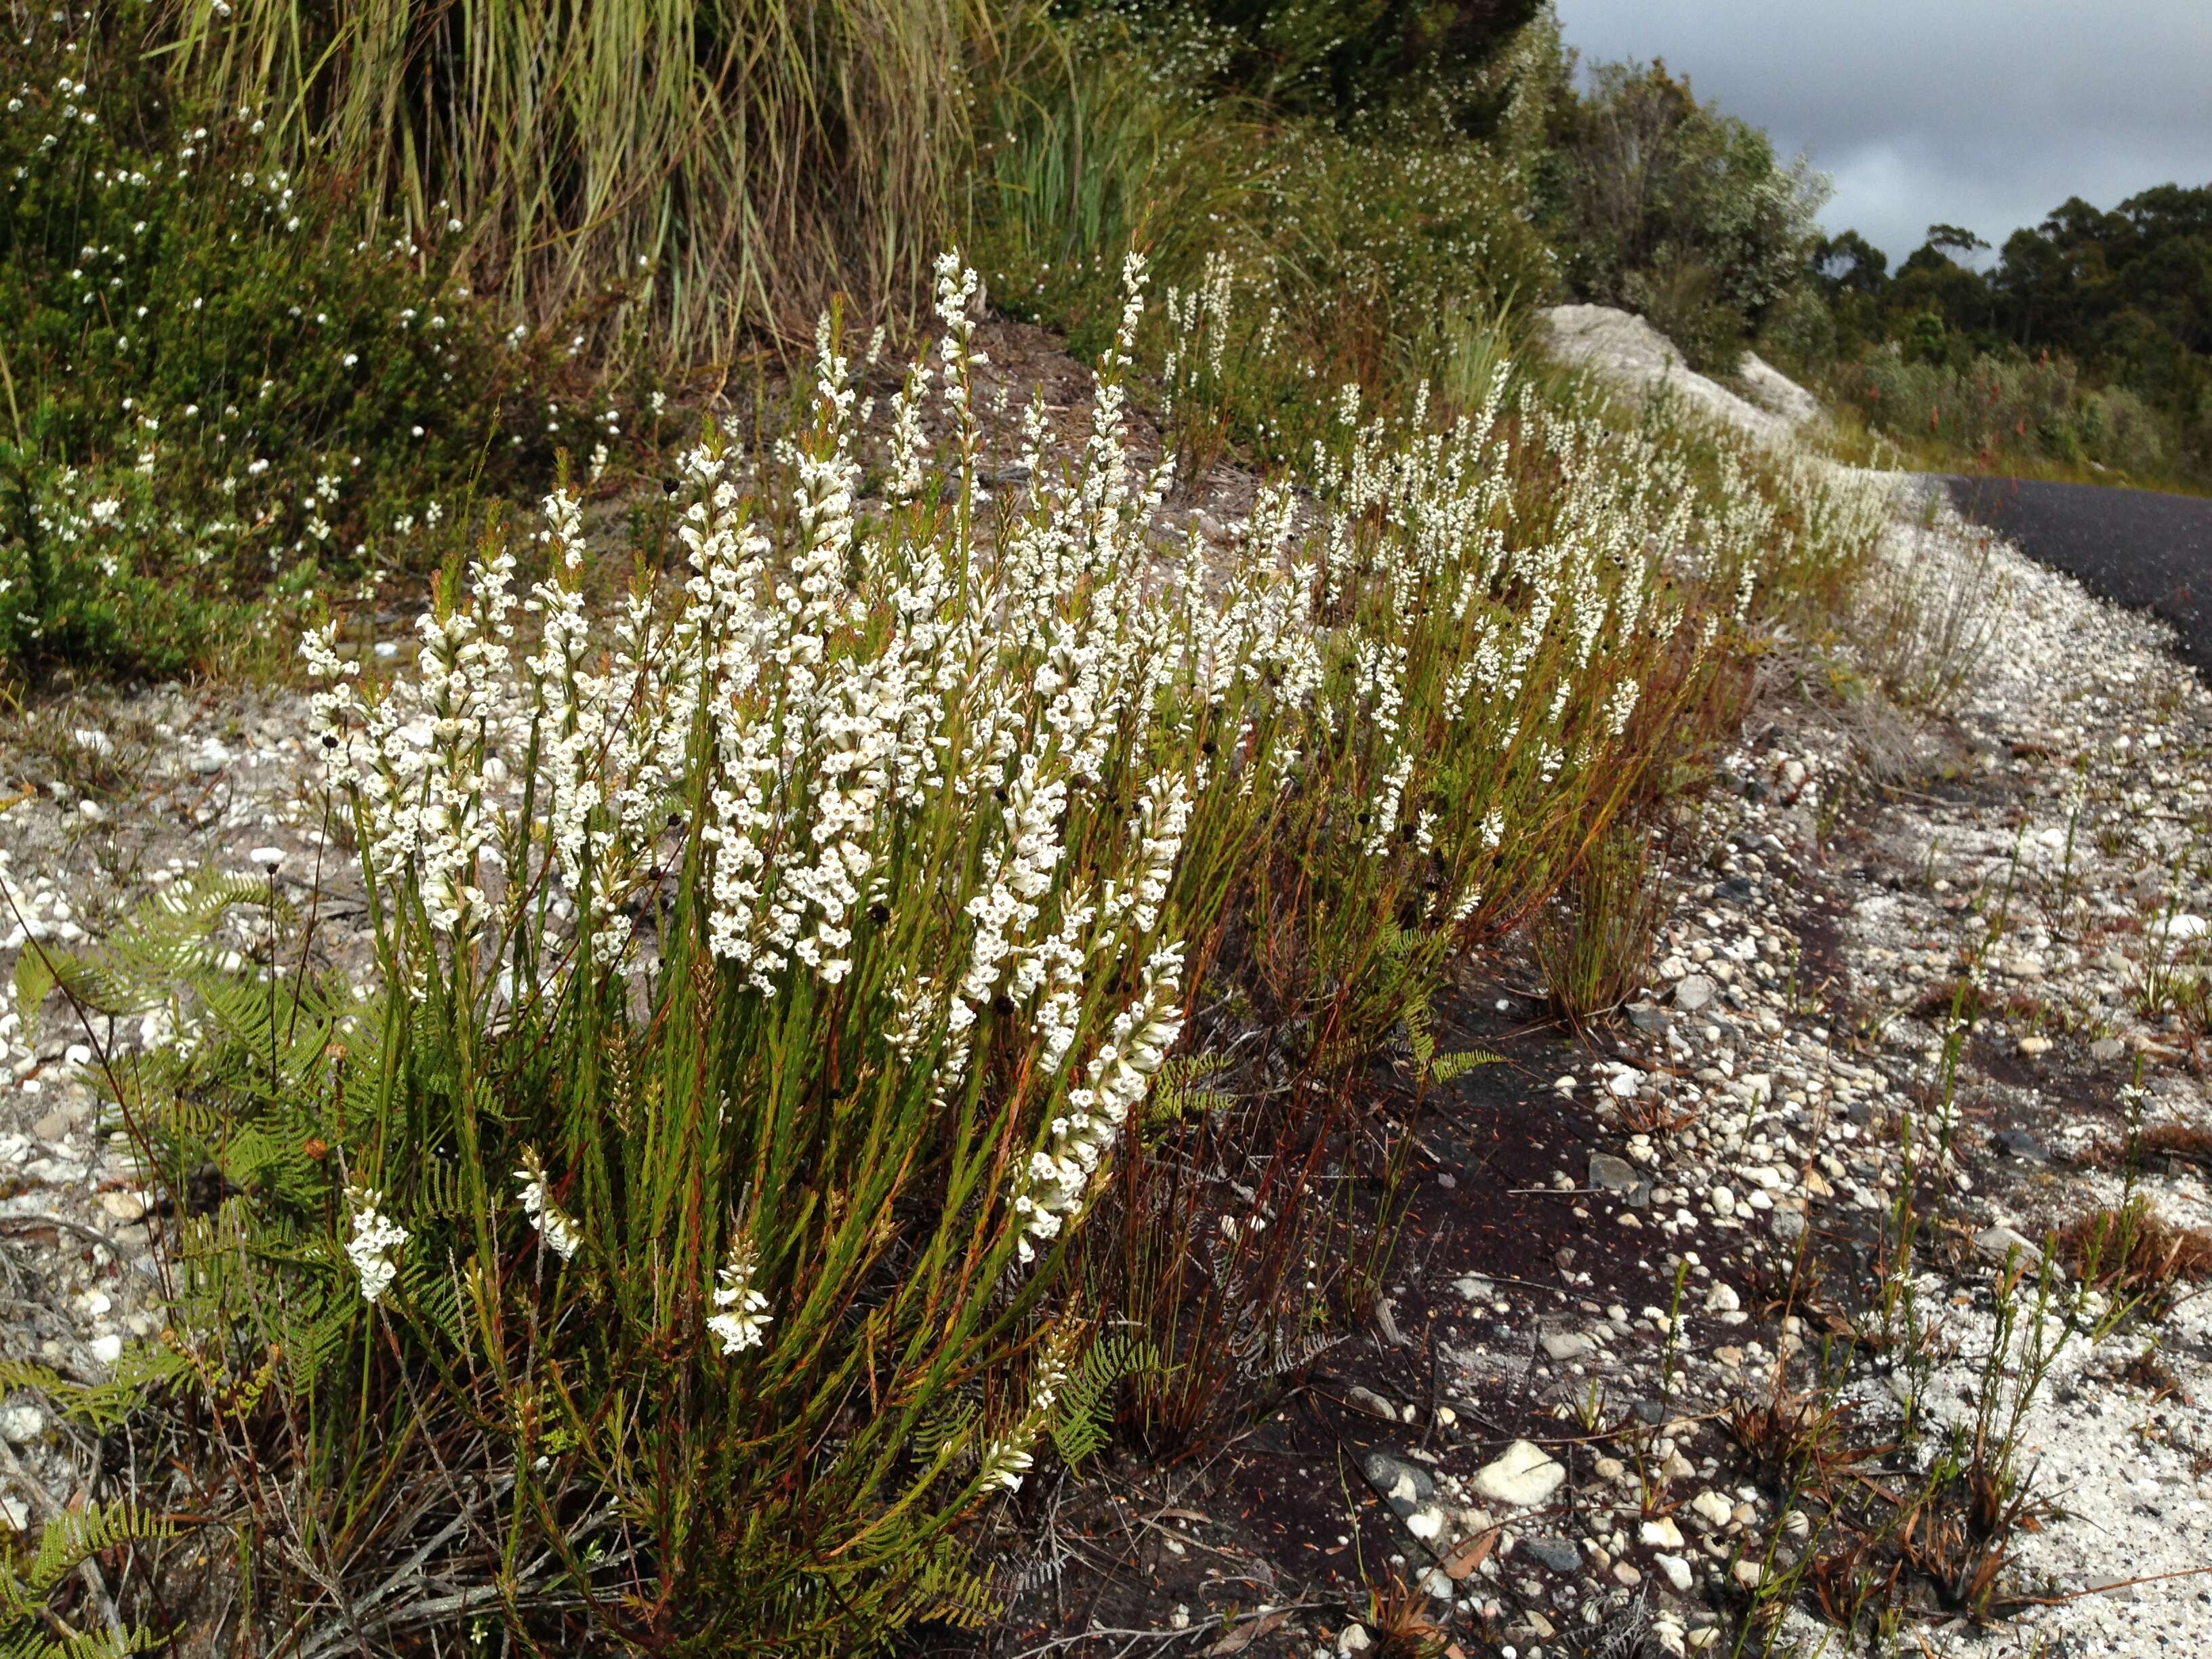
column 1986, row 114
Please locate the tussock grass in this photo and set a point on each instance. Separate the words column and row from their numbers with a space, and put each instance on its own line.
column 677, row 174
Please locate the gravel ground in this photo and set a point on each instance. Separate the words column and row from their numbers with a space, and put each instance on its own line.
column 2134, row 546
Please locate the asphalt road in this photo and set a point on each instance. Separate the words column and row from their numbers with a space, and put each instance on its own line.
column 2149, row 552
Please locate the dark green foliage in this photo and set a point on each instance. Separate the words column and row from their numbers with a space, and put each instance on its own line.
column 216, row 392
column 1346, row 60
column 1666, row 206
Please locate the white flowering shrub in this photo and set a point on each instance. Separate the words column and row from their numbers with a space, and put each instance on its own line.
column 769, row 974
column 223, row 385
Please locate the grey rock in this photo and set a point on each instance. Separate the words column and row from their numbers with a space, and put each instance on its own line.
column 2020, row 1143
column 1569, row 1345
column 2000, row 1242
column 1650, row 1017
column 2107, row 1049
column 1404, row 1486
column 1693, row 993
column 1373, row 1404
column 1611, row 1174
column 1561, row 1555
column 1787, row 1225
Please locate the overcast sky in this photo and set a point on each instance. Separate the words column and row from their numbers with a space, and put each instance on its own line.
column 1984, row 113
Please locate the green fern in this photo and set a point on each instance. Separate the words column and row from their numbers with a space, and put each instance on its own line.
column 949, row 1590
column 1179, row 1090
column 1449, row 1068
column 138, row 1372
column 30, row 1626
column 1082, row 1415
column 943, row 1426
column 1431, row 1066
column 163, row 943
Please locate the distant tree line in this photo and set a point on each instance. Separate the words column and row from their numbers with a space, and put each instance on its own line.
column 2125, row 295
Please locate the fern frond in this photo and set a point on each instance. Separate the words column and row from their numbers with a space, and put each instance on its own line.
column 1448, row 1068
column 162, row 943
column 948, row 1587
column 139, row 1372
column 65, row 1544
column 1083, row 1410
column 1179, row 1091
column 1420, row 1036
column 941, row 1427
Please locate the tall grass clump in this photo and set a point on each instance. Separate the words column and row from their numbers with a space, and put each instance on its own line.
column 690, row 1224
column 685, row 175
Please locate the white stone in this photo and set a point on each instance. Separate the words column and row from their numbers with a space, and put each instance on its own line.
column 1713, row 1507
column 20, row 1425
column 1677, row 1570
column 1523, row 1475
column 1693, row 993
column 123, row 1205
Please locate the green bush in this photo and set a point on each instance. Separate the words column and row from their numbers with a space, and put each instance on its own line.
column 1657, row 200
column 1379, row 261
column 180, row 328
column 2000, row 406
column 1683, row 301
column 1799, row 334
column 1355, row 61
